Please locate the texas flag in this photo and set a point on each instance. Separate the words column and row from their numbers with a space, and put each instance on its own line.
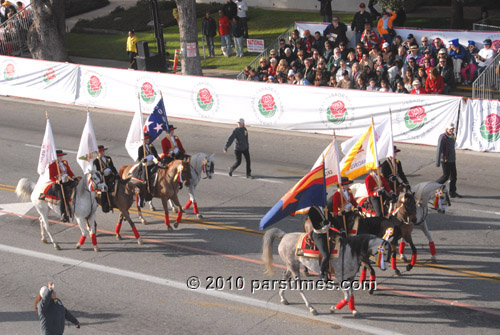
column 156, row 122
column 309, row 191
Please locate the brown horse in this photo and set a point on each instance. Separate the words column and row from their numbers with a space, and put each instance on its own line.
column 168, row 181
column 122, row 200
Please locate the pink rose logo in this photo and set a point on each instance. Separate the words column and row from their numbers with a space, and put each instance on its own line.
column 490, row 128
column 205, row 99
column 49, row 75
column 148, row 93
column 495, row 45
column 415, row 118
column 267, row 106
column 9, row 72
column 337, row 112
column 94, row 86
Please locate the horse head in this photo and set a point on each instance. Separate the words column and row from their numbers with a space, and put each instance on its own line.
column 95, row 181
column 407, row 207
column 441, row 199
column 207, row 166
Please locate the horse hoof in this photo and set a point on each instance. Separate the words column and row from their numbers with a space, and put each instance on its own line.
column 96, row 249
column 144, row 222
column 313, row 311
column 284, row 302
column 354, row 313
column 78, row 245
column 169, row 228
column 56, row 246
column 397, row 273
column 118, row 237
column 403, row 258
column 333, row 309
column 176, row 225
column 433, row 259
column 199, row 216
column 44, row 241
column 371, row 291
column 409, row 267
column 152, row 208
column 139, row 241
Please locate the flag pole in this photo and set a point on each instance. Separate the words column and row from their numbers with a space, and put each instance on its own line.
column 59, row 176
column 340, row 189
column 379, row 181
column 393, row 153
column 144, row 147
column 328, row 228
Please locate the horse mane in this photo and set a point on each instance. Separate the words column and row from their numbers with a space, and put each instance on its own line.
column 359, row 244
column 122, row 169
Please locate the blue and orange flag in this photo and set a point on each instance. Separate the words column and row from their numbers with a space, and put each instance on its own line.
column 309, row 191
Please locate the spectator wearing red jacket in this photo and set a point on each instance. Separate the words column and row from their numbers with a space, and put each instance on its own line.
column 225, row 34
column 434, row 83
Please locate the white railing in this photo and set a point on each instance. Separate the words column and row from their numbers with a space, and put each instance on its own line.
column 14, row 33
column 487, row 84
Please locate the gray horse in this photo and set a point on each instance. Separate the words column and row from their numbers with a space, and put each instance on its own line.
column 425, row 193
column 346, row 266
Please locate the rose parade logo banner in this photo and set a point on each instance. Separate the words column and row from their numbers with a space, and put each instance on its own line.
column 148, row 92
column 49, row 76
column 335, row 110
column 9, row 70
column 415, row 118
column 94, row 85
column 267, row 106
column 490, row 128
column 204, row 99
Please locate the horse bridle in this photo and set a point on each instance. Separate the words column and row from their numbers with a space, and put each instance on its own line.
column 402, row 211
column 204, row 169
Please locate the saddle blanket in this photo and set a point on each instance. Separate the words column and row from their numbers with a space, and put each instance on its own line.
column 49, row 194
column 305, row 250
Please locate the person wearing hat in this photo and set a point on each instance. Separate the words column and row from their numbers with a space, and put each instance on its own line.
column 240, row 134
column 470, row 63
column 392, row 170
column 410, row 40
column 417, row 87
column 319, row 235
column 484, row 57
column 104, row 164
column 60, row 173
column 384, row 25
column 427, row 58
column 146, row 155
column 457, row 55
column 172, row 146
column 132, row 49
column 446, row 158
column 378, row 188
column 359, row 20
column 341, row 205
column 414, row 53
column 51, row 311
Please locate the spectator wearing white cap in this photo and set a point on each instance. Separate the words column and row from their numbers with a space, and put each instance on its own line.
column 484, row 57
column 446, row 158
column 387, row 53
column 240, row 134
column 417, row 87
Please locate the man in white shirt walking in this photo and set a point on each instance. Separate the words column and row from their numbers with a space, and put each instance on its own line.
column 242, row 14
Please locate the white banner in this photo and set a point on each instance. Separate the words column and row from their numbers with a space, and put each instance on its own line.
column 479, row 126
column 37, row 79
column 446, row 35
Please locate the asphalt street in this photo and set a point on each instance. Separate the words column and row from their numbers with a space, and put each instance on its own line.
column 128, row 288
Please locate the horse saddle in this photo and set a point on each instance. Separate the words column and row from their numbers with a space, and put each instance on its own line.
column 367, row 207
column 50, row 194
column 305, row 247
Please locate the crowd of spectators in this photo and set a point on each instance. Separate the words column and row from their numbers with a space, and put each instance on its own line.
column 381, row 60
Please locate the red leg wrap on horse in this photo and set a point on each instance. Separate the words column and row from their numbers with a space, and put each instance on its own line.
column 82, row 240
column 351, row 303
column 341, row 304
column 188, row 204
column 179, row 217
column 433, row 248
column 167, row 220
column 402, row 247
column 136, row 233
column 94, row 239
column 118, row 228
column 195, row 208
column 373, row 278
column 372, row 281
column 413, row 259
column 393, row 263
column 362, row 276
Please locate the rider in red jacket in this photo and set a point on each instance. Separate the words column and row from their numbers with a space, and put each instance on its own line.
column 65, row 177
column 372, row 182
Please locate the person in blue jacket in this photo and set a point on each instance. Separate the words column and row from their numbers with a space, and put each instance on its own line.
column 457, row 54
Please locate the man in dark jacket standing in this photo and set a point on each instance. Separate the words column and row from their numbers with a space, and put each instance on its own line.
column 230, row 9
column 209, row 30
column 52, row 312
column 360, row 19
column 326, row 10
column 446, row 157
column 240, row 134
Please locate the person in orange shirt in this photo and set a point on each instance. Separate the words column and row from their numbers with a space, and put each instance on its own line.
column 384, row 25
column 65, row 177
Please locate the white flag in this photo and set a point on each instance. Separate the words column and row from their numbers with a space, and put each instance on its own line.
column 135, row 135
column 332, row 170
column 48, row 150
column 383, row 136
column 88, row 146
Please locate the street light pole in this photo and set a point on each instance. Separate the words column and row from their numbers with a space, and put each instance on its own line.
column 158, row 34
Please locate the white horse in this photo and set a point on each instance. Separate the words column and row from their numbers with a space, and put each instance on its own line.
column 84, row 204
column 436, row 194
column 351, row 253
column 202, row 165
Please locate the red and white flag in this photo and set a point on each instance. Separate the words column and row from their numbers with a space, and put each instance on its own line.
column 331, row 159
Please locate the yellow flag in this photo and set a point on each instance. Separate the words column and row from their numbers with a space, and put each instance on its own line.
column 361, row 157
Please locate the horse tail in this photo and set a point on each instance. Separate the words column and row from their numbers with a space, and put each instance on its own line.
column 24, row 189
column 267, row 248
